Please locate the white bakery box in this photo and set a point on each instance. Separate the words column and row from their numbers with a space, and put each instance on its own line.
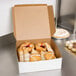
column 35, row 23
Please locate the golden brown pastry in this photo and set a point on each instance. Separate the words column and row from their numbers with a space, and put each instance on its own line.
column 40, row 47
column 42, row 55
column 20, row 55
column 45, row 51
column 49, row 55
column 24, row 51
column 27, row 45
column 26, row 55
column 48, row 47
column 27, row 52
column 35, row 56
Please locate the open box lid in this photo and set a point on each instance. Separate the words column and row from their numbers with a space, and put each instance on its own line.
column 33, row 21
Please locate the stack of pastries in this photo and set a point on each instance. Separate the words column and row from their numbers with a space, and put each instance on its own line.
column 71, row 45
column 29, row 52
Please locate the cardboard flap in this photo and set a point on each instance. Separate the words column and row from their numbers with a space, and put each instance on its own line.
column 51, row 20
column 32, row 22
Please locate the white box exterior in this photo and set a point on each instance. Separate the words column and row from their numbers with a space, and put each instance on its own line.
column 25, row 67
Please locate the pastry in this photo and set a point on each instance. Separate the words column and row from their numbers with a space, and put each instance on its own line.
column 27, row 45
column 49, row 55
column 42, row 55
column 35, row 56
column 67, row 43
column 24, row 51
column 46, row 51
column 20, row 54
column 40, row 47
column 26, row 55
column 48, row 47
column 71, row 45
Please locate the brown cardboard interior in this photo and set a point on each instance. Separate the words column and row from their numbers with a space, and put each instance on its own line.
column 49, row 41
column 32, row 22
